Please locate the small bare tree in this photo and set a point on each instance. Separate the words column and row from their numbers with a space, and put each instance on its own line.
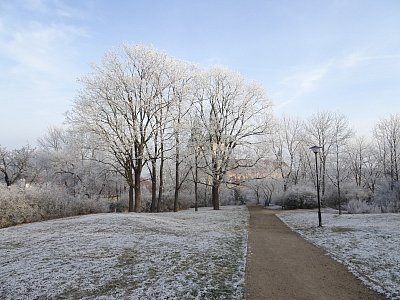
column 15, row 164
column 286, row 147
column 357, row 152
column 320, row 128
column 341, row 136
column 387, row 134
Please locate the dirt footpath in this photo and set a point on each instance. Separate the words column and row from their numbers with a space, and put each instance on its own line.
column 281, row 265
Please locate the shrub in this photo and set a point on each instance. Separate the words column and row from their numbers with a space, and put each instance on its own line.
column 348, row 192
column 15, row 207
column 119, row 207
column 387, row 197
column 20, row 204
column 356, row 206
column 297, row 197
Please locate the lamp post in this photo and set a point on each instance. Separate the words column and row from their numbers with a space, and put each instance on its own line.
column 316, row 150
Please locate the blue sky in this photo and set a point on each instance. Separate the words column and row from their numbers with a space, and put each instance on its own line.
column 338, row 55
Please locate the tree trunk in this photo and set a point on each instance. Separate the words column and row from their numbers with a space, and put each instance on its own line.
column 196, row 178
column 258, row 195
column 130, row 209
column 130, row 181
column 215, row 193
column 360, row 169
column 338, row 177
column 138, row 172
column 7, row 179
column 160, row 188
column 396, row 169
column 153, row 185
column 176, row 195
column 339, row 199
column 205, row 196
column 323, row 175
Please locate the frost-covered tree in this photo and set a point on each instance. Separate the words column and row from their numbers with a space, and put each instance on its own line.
column 231, row 111
column 320, row 128
column 341, row 135
column 286, row 143
column 357, row 151
column 64, row 158
column 387, row 135
column 116, row 106
column 182, row 90
column 196, row 147
column 15, row 164
column 372, row 167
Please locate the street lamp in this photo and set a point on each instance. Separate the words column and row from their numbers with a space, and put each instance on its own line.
column 316, row 150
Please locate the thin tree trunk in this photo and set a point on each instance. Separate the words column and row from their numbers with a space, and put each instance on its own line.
column 153, row 184
column 138, row 172
column 154, row 175
column 196, row 178
column 130, row 209
column 161, row 177
column 360, row 169
column 177, row 186
column 323, row 178
column 258, row 195
column 205, row 196
column 338, row 186
column 396, row 170
column 131, row 184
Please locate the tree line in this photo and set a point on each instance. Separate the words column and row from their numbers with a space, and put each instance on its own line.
column 144, row 122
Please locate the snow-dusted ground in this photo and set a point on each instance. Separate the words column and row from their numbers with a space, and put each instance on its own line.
column 369, row 245
column 184, row 255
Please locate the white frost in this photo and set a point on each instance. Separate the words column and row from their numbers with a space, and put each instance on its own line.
column 184, row 255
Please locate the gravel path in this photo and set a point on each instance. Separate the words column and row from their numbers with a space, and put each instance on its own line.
column 282, row 265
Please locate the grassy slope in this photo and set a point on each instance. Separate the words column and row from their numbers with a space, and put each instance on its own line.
column 183, row 255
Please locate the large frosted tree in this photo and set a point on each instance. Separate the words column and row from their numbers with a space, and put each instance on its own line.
column 116, row 106
column 232, row 112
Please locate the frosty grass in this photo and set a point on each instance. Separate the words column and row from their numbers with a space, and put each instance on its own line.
column 184, row 255
column 369, row 245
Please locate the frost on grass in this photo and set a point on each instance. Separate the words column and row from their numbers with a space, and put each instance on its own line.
column 369, row 245
column 184, row 255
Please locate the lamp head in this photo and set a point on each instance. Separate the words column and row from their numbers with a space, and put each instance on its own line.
column 315, row 149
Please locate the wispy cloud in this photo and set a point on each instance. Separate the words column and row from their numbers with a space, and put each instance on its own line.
column 39, row 58
column 360, row 57
column 308, row 79
column 37, row 45
column 300, row 83
column 57, row 8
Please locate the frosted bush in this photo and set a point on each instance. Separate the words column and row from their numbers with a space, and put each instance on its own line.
column 388, row 198
column 186, row 201
column 356, row 206
column 349, row 191
column 15, row 207
column 297, row 196
column 36, row 203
